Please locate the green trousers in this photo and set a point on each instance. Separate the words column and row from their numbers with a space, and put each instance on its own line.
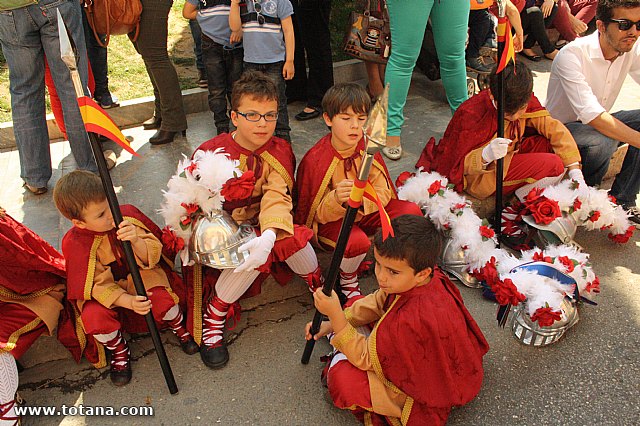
column 449, row 19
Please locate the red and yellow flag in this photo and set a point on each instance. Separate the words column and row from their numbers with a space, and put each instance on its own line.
column 364, row 189
column 504, row 35
column 96, row 120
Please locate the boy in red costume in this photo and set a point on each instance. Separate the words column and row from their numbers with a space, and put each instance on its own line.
column 326, row 175
column 425, row 352
column 254, row 103
column 98, row 279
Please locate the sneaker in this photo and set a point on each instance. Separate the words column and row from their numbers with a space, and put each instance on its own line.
column 634, row 215
column 110, row 158
column 476, row 64
column 392, row 152
column 35, row 190
column 202, row 79
column 107, row 101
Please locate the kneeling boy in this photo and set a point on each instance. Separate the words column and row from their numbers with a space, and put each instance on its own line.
column 98, row 279
column 425, row 352
column 326, row 175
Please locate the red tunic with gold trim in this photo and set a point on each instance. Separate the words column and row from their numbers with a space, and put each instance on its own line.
column 270, row 206
column 32, row 283
column 423, row 356
column 458, row 155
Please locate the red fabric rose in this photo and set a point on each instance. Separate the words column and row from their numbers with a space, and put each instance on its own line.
column 622, row 238
column 613, row 199
column 403, row 177
column 191, row 167
column 507, row 293
column 171, row 241
column 593, row 286
column 486, row 232
column 567, row 263
column 545, row 210
column 546, row 316
column 488, row 273
column 577, row 204
column 533, row 196
column 239, row 188
column 434, row 188
column 594, row 216
column 540, row 257
column 190, row 211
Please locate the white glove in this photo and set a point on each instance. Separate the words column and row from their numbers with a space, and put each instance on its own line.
column 496, row 149
column 576, row 174
column 259, row 249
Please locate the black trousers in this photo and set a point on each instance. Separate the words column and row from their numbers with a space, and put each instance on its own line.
column 311, row 27
column 534, row 26
column 480, row 25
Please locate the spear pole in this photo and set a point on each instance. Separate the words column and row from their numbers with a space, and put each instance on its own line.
column 499, row 98
column 375, row 134
column 69, row 57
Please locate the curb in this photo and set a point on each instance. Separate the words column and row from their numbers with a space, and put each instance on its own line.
column 133, row 112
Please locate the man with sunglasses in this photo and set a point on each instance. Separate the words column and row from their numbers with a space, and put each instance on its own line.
column 586, row 78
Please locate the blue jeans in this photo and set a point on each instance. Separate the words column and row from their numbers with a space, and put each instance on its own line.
column 224, row 67
column 196, row 34
column 596, row 150
column 274, row 70
column 26, row 35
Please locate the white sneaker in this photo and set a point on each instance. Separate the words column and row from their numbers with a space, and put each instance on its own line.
column 392, row 152
column 110, row 158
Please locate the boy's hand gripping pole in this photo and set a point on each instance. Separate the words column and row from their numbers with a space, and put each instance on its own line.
column 68, row 54
column 375, row 133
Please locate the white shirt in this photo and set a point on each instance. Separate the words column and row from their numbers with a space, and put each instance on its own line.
column 583, row 84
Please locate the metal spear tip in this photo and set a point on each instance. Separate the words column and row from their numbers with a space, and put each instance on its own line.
column 375, row 128
column 67, row 51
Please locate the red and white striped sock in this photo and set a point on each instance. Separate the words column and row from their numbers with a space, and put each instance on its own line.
column 349, row 275
column 8, row 388
column 214, row 321
column 174, row 320
column 511, row 217
column 120, row 353
column 314, row 279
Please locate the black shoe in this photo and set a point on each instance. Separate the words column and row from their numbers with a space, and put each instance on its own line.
column 120, row 377
column 214, row 357
column 283, row 135
column 222, row 130
column 476, row 65
column 152, row 123
column 202, row 79
column 532, row 58
column 303, row 115
column 189, row 346
column 107, row 100
column 165, row 136
column 634, row 216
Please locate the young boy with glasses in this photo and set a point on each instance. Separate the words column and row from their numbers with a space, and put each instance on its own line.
column 268, row 208
column 221, row 53
column 269, row 45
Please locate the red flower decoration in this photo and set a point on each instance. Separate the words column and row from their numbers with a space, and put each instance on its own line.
column 488, row 273
column 546, row 316
column 613, row 199
column 622, row 238
column 567, row 263
column 486, row 232
column 434, row 188
column 191, row 167
column 577, row 204
column 533, row 196
column 593, row 286
column 170, row 241
column 459, row 206
column 239, row 188
column 191, row 210
column 594, row 216
column 545, row 211
column 403, row 177
column 540, row 257
column 507, row 293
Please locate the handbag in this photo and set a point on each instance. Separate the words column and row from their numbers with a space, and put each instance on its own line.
column 114, row 17
column 367, row 37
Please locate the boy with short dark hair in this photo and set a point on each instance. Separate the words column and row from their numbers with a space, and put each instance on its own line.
column 269, row 45
column 425, row 352
column 326, row 175
column 98, row 279
column 221, row 53
column 268, row 208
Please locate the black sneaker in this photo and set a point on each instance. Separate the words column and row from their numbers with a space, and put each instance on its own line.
column 476, row 64
column 107, row 101
column 634, row 215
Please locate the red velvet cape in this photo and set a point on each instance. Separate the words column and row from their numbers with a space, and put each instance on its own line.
column 474, row 123
column 430, row 347
column 312, row 177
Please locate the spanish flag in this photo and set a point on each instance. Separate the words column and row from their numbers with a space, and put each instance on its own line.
column 364, row 189
column 504, row 36
column 98, row 121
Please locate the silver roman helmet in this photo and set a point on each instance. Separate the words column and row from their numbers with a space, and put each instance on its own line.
column 216, row 238
column 452, row 261
column 560, row 231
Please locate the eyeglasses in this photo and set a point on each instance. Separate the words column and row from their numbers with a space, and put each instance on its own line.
column 258, row 8
column 625, row 24
column 255, row 117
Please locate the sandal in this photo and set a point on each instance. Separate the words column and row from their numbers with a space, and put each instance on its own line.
column 34, row 189
column 532, row 58
column 392, row 152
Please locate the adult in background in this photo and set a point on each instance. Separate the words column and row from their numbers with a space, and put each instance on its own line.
column 408, row 18
column 169, row 117
column 28, row 31
column 586, row 78
column 311, row 28
column 536, row 17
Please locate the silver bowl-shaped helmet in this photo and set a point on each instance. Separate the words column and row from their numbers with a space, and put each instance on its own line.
column 216, row 238
column 452, row 261
column 530, row 333
column 560, row 231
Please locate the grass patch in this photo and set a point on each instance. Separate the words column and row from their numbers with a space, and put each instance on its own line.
column 128, row 77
